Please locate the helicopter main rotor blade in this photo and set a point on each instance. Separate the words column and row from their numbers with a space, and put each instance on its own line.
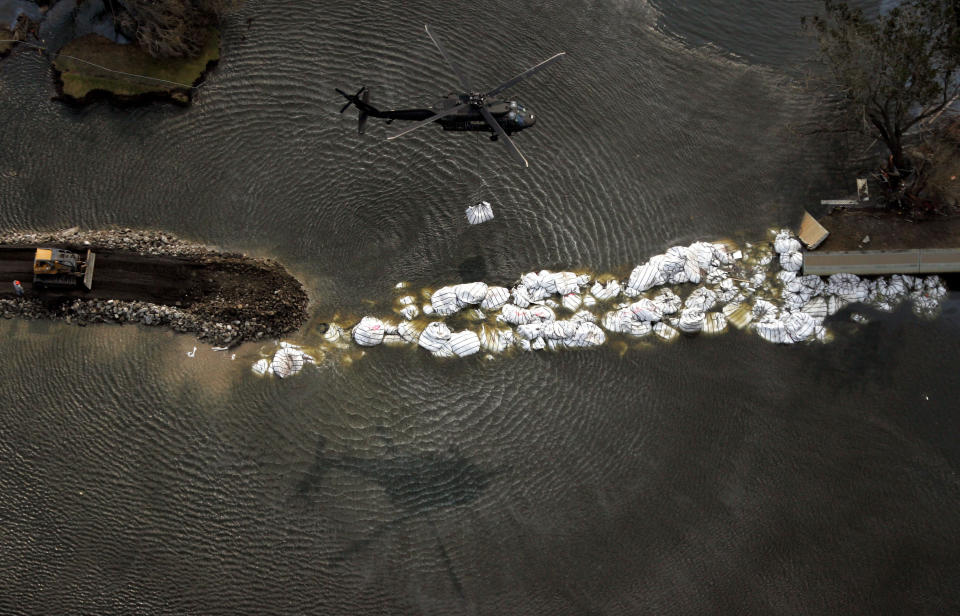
column 525, row 74
column 456, row 71
column 433, row 118
column 502, row 135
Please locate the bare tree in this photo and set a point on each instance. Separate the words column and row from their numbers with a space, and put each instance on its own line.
column 170, row 28
column 894, row 71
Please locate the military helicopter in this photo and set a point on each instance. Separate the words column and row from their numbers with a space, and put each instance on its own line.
column 468, row 111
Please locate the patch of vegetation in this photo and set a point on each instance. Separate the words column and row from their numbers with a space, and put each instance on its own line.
column 127, row 72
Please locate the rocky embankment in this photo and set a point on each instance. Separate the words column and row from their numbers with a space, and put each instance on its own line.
column 233, row 298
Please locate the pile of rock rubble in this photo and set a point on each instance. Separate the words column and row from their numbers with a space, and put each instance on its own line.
column 757, row 289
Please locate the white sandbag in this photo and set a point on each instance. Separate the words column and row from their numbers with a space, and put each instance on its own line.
column 470, row 292
column 589, row 301
column 728, row 291
column 799, row 326
column 538, row 345
column 435, row 337
column 529, row 331
column 464, row 343
column 691, row 320
column 924, row 305
column 495, row 340
column 543, row 313
column 691, row 269
column 479, row 213
column 714, row 323
column 678, row 278
column 702, row 299
column 584, row 316
column 792, row 261
column 934, row 287
column 514, row 315
column 559, row 330
column 646, row 276
column 583, row 280
column 793, row 301
column 409, row 312
column 716, row 276
column 587, row 335
column 407, row 300
column 572, row 301
column 521, row 297
column 764, row 311
column 785, row 242
column 605, row 292
column 616, row 321
column 787, row 277
column 773, row 331
column 409, row 331
column 445, row 302
column 495, row 298
column 702, row 253
column 664, row 331
column 287, row 361
column 646, row 310
column 369, row 332
column 835, row 304
column 261, row 367
column 562, row 283
column 674, row 260
column 667, row 301
column 333, row 333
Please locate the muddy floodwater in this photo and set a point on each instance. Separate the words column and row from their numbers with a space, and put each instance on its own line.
column 711, row 475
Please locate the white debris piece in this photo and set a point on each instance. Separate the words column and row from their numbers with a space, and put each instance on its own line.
column 409, row 312
column 495, row 298
column 435, row 337
column 464, row 343
column 333, row 333
column 479, row 213
column 369, row 331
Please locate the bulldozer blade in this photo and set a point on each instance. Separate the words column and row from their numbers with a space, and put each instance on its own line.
column 88, row 275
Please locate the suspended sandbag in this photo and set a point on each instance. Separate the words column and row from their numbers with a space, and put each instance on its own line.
column 572, row 301
column 261, row 367
column 785, row 243
column 586, row 335
column 369, row 331
column 479, row 213
column 664, row 331
column 646, row 310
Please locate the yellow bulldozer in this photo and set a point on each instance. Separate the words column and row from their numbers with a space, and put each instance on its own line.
column 53, row 267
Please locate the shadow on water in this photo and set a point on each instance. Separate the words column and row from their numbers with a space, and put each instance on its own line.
column 417, row 484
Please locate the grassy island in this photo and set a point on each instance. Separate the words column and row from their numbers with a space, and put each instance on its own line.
column 83, row 80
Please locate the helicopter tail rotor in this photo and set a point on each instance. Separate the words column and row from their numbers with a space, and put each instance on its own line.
column 360, row 100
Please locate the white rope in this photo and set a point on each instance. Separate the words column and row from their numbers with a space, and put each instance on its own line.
column 176, row 83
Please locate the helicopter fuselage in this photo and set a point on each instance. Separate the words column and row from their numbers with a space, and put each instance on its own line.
column 512, row 116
